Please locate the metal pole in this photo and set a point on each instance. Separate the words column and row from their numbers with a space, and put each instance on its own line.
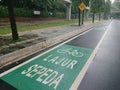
column 83, row 17
column 79, row 17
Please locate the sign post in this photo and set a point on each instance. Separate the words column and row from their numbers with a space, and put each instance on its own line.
column 79, row 18
column 82, row 7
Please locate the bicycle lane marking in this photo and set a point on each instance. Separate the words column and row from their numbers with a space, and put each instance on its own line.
column 49, row 84
column 51, row 71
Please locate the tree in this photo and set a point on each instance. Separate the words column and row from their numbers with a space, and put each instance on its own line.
column 107, row 9
column 97, row 6
column 93, row 8
column 101, row 6
column 10, row 4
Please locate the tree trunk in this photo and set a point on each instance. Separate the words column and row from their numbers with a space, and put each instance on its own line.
column 93, row 18
column 79, row 16
column 83, row 17
column 12, row 20
column 99, row 16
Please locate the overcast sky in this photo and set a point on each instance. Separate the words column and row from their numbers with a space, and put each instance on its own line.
column 112, row 1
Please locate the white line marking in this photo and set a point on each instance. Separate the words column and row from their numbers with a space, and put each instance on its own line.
column 6, row 72
column 85, row 68
column 83, row 71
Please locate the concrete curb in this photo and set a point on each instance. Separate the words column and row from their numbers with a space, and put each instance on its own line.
column 19, row 54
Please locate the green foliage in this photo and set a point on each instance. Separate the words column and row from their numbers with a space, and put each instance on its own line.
column 3, row 11
column 14, row 41
column 107, row 8
column 21, row 12
column 60, row 15
column 45, row 14
column 25, row 8
column 97, row 6
column 75, row 4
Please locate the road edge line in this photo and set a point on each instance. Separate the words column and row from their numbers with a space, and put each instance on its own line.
column 32, row 59
column 82, row 73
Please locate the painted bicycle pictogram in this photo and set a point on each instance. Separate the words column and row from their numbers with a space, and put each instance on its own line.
column 71, row 51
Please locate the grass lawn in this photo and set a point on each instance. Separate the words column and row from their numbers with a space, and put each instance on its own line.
column 7, row 30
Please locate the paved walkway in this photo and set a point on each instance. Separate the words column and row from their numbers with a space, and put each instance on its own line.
column 52, row 32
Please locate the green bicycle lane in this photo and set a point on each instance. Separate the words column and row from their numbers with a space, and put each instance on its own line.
column 56, row 69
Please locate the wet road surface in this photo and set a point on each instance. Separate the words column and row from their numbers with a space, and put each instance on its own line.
column 104, row 71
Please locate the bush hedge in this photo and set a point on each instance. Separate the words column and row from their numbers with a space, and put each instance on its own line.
column 19, row 12
column 3, row 11
column 60, row 14
column 24, row 12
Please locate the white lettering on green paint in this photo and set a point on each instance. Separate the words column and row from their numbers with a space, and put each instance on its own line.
column 62, row 61
column 43, row 75
column 72, row 64
column 57, row 81
column 53, row 59
column 50, row 77
column 70, row 51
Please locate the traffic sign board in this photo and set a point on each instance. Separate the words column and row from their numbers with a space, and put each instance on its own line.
column 82, row 6
column 55, row 70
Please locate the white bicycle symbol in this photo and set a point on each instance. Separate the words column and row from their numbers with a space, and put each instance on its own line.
column 70, row 51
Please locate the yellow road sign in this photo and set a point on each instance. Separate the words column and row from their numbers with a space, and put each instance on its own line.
column 82, row 6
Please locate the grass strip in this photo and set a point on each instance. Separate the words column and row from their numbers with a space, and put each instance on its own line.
column 7, row 30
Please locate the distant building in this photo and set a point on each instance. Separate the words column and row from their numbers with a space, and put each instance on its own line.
column 115, row 10
column 117, row 1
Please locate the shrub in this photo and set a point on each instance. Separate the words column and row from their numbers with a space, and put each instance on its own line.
column 19, row 12
column 22, row 12
column 60, row 14
column 45, row 14
column 3, row 11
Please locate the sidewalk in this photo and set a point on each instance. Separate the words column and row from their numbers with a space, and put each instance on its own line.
column 50, row 36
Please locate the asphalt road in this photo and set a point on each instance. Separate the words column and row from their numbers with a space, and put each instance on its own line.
column 104, row 72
